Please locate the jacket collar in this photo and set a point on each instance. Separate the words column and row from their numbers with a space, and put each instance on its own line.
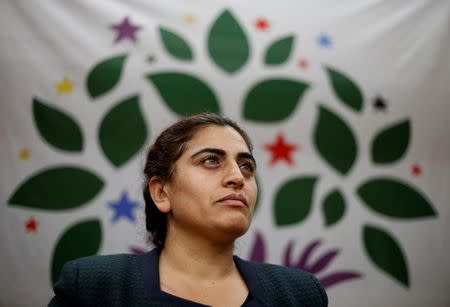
column 150, row 268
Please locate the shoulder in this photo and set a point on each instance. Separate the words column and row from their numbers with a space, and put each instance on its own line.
column 293, row 286
column 102, row 271
column 113, row 264
column 278, row 273
column 99, row 279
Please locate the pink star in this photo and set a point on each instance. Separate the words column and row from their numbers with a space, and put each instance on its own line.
column 303, row 64
column 125, row 29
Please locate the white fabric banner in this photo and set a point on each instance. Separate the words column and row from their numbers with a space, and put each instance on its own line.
column 348, row 106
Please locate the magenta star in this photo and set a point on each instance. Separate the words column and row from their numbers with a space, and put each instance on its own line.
column 125, row 29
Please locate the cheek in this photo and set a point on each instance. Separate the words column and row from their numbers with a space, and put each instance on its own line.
column 187, row 190
column 253, row 192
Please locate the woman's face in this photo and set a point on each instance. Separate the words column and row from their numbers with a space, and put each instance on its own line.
column 212, row 192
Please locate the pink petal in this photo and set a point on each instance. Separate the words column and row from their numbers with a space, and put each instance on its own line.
column 287, row 254
column 323, row 261
column 306, row 254
column 258, row 252
column 338, row 277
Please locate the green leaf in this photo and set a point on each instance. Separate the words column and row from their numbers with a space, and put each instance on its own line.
column 346, row 89
column 273, row 100
column 293, row 201
column 57, row 128
column 175, row 44
column 335, row 141
column 105, row 75
column 279, row 51
column 58, row 188
column 396, row 199
column 386, row 253
column 391, row 144
column 227, row 43
column 185, row 94
column 80, row 240
column 333, row 207
column 123, row 131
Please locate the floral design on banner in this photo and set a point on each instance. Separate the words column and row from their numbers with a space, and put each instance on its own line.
column 123, row 130
column 305, row 262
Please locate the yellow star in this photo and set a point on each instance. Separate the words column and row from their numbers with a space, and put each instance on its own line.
column 189, row 18
column 65, row 86
column 24, row 154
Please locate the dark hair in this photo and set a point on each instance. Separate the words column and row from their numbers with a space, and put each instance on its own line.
column 161, row 158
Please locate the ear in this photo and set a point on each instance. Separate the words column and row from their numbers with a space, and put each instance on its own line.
column 158, row 193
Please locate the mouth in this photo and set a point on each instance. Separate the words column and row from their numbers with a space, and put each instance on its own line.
column 234, row 200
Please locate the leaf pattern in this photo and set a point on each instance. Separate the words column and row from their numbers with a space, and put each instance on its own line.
column 345, row 89
column 262, row 102
column 306, row 255
column 123, row 131
column 57, row 128
column 137, row 250
column 80, row 240
column 335, row 141
column 333, row 207
column 293, row 201
column 228, row 45
column 57, row 188
column 185, row 94
column 258, row 251
column 105, row 76
column 175, row 45
column 323, row 261
column 386, row 253
column 394, row 198
column 338, row 277
column 279, row 51
column 318, row 265
column 391, row 143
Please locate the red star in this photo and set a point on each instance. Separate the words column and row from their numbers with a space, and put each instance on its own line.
column 303, row 64
column 416, row 169
column 261, row 24
column 281, row 150
column 31, row 225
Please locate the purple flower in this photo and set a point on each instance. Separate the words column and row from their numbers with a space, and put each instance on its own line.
column 137, row 250
column 305, row 262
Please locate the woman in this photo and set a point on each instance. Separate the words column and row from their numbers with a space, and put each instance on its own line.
column 200, row 193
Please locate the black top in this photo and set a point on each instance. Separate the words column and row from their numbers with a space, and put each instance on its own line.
column 150, row 268
column 133, row 281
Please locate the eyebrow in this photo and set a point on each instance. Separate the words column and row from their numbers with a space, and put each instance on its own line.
column 221, row 152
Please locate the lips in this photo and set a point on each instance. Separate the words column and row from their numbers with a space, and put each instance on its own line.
column 234, row 200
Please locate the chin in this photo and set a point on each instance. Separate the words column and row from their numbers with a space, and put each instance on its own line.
column 234, row 228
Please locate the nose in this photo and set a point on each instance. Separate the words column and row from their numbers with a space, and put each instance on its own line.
column 233, row 176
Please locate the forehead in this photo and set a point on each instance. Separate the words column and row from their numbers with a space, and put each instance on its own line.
column 223, row 137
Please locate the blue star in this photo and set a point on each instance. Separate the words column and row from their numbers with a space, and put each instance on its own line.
column 324, row 40
column 123, row 208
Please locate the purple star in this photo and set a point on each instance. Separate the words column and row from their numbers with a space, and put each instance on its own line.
column 123, row 208
column 125, row 29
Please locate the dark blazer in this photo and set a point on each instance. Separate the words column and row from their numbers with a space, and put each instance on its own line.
column 126, row 280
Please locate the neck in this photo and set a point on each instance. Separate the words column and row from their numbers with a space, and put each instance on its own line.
column 196, row 257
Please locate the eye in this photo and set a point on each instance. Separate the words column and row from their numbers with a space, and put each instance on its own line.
column 210, row 161
column 247, row 167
